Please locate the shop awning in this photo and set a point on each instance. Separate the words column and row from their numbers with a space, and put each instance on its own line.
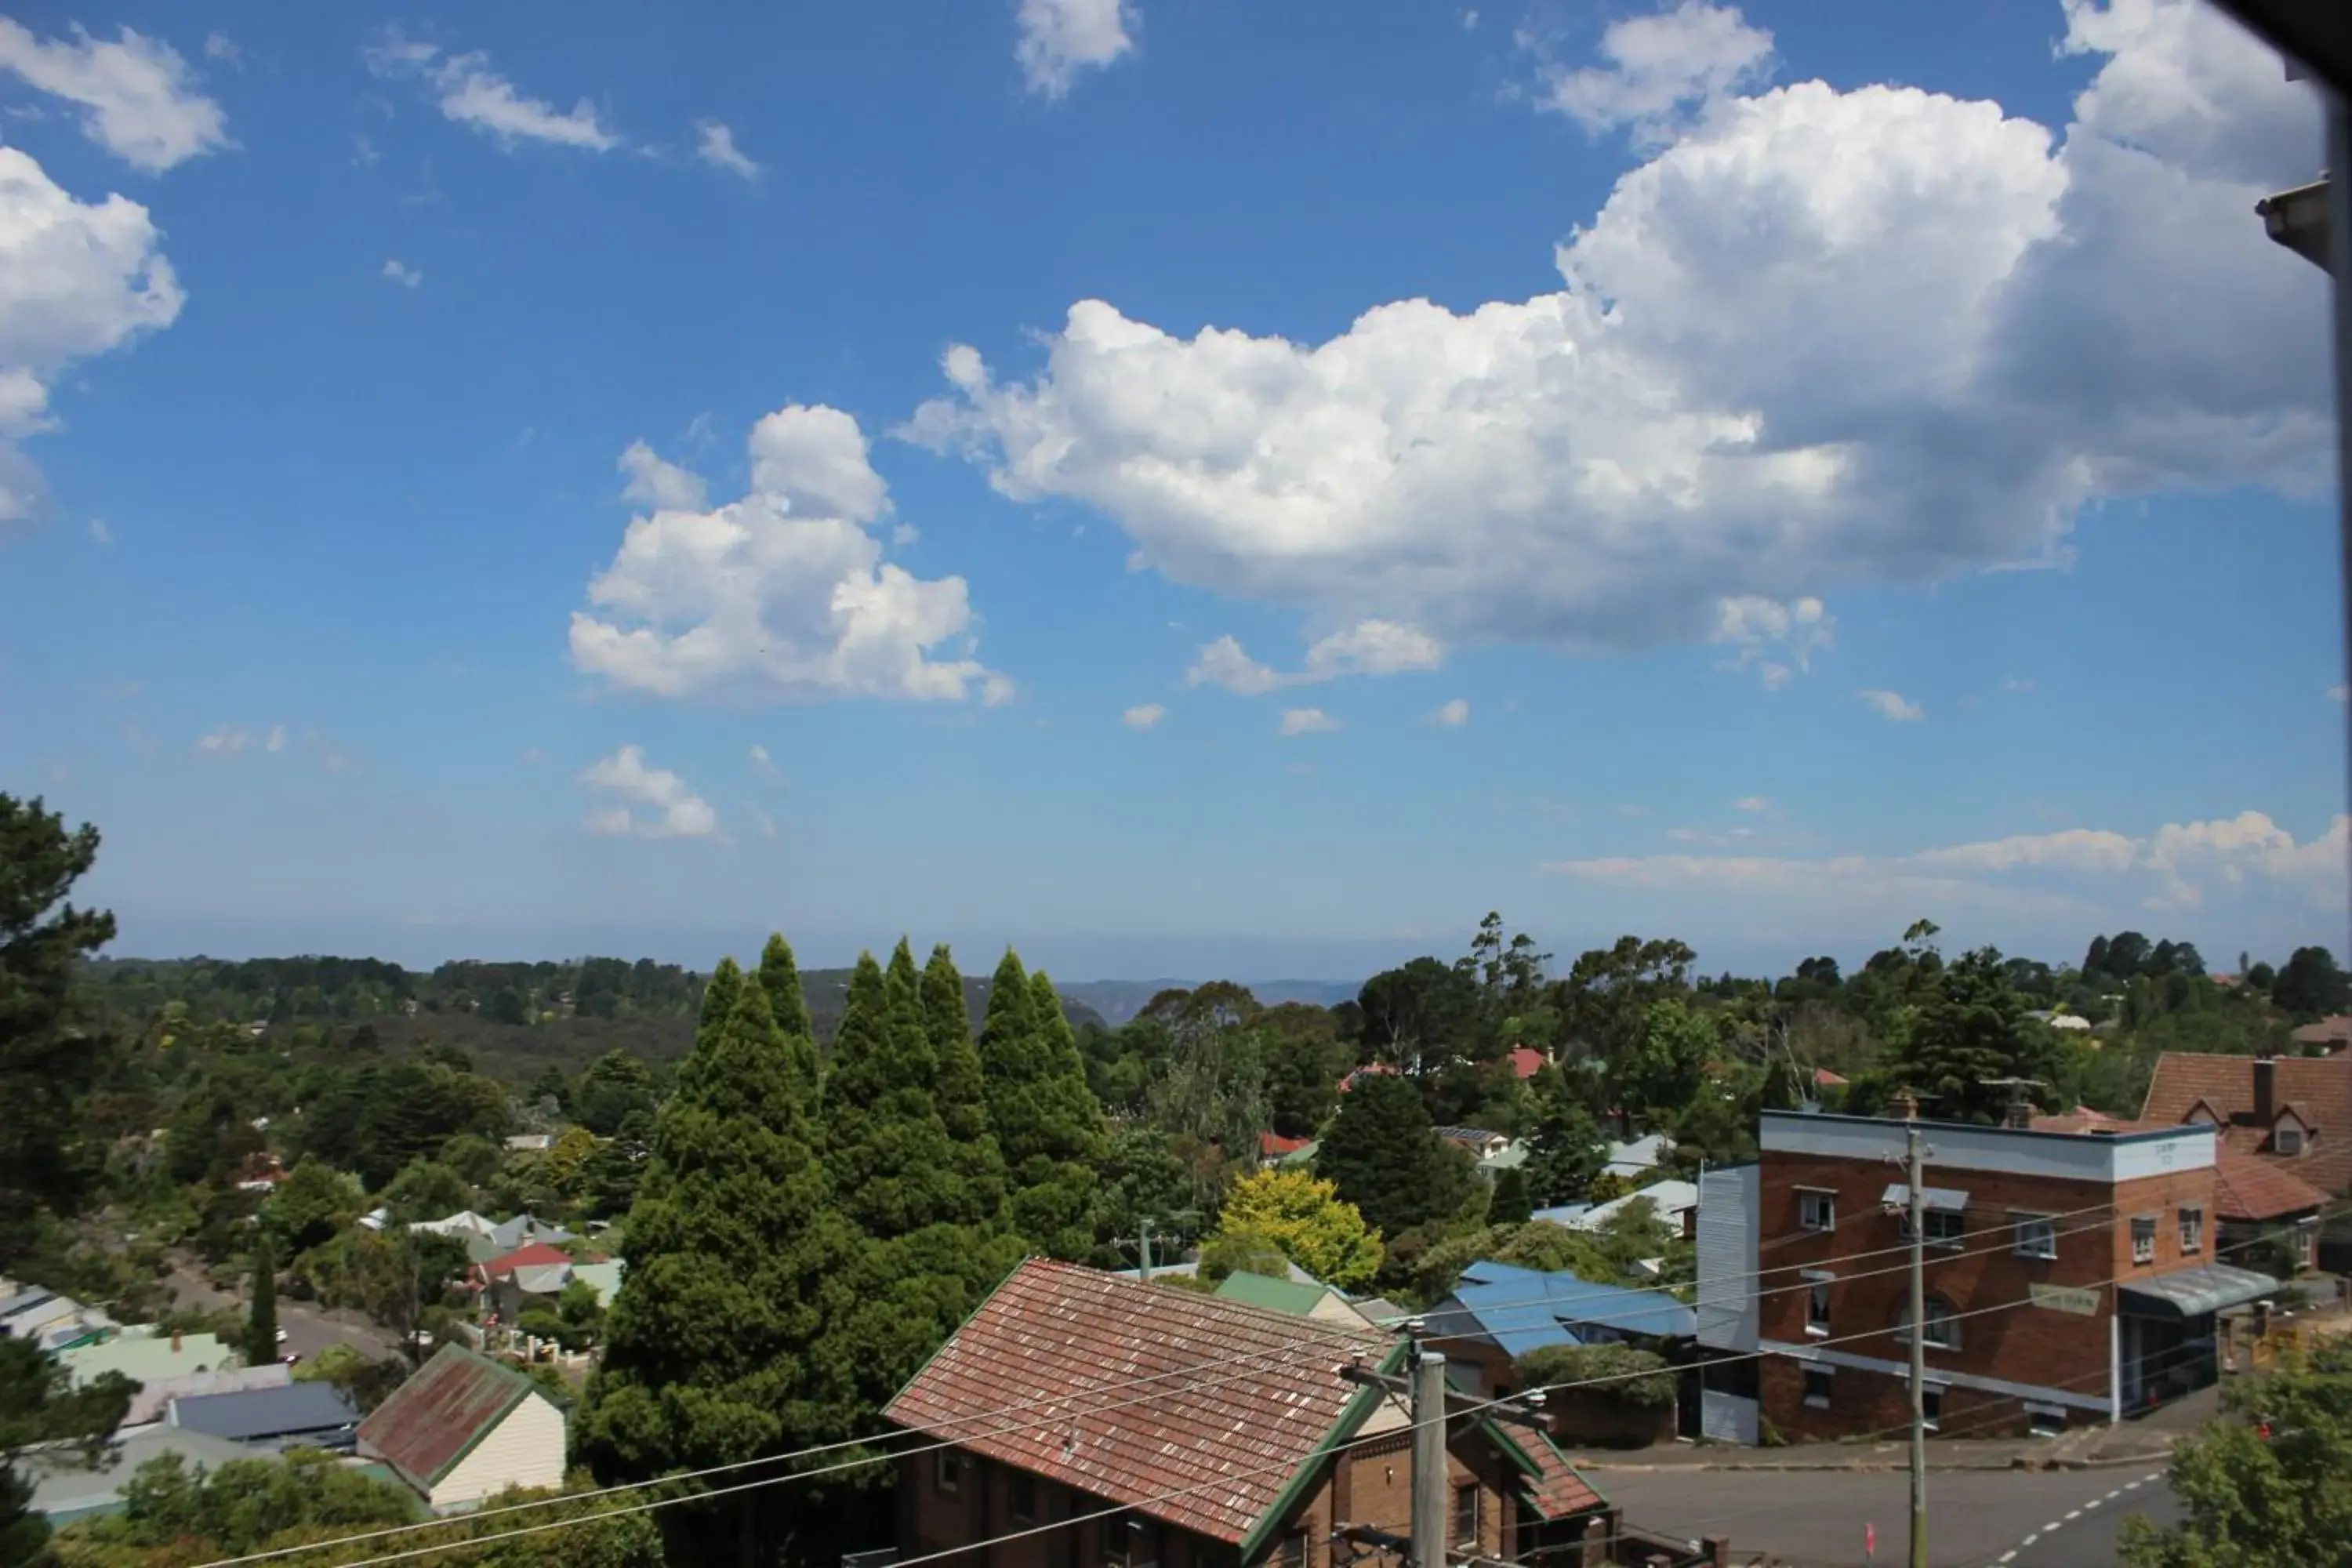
column 1948, row 1200
column 2192, row 1292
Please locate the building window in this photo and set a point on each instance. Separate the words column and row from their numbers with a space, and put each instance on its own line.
column 2192, row 1229
column 1817, row 1387
column 1931, row 1404
column 1817, row 1301
column 1943, row 1325
column 1817, row 1210
column 1466, row 1514
column 1945, row 1228
column 1115, row 1544
column 947, row 1470
column 1294, row 1550
column 2143, row 1234
column 1024, row 1498
column 2045, row 1420
column 2287, row 1140
column 2037, row 1235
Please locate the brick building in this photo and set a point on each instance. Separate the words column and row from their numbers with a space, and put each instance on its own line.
column 1205, row 1433
column 2070, row 1276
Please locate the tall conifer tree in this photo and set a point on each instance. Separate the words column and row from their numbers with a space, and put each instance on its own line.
column 780, row 977
column 1048, row 1124
column 960, row 1091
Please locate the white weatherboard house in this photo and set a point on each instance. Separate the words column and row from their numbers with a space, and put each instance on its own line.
column 464, row 1428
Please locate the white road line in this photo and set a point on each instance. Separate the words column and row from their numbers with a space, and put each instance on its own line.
column 2029, row 1540
column 2097, row 1501
column 2052, row 1527
column 2131, row 1486
column 2074, row 1516
column 2008, row 1556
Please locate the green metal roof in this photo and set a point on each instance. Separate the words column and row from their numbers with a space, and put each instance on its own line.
column 1274, row 1295
column 147, row 1358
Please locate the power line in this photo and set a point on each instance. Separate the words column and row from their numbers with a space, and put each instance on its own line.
column 1339, row 1337
column 773, row 1480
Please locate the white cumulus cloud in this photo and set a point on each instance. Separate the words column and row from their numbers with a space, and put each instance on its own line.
column 781, row 594
column 1453, row 714
column 660, row 484
column 275, row 740
column 1822, row 339
column 1368, row 648
column 1143, row 716
column 77, row 279
column 1060, row 39
column 140, row 98
column 1657, row 65
column 468, row 92
column 407, row 276
column 225, row 742
column 715, row 145
column 1306, row 721
column 1893, row 705
column 649, row 803
column 762, row 764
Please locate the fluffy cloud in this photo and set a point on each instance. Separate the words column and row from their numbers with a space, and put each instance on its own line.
column 762, row 763
column 1059, row 39
column 1823, row 339
column 716, row 146
column 141, row 105
column 1143, row 716
column 1368, row 648
column 77, row 279
column 470, row 92
column 1306, row 721
column 225, row 742
column 660, row 484
column 1777, row 640
column 2074, row 870
column 1893, row 705
column 407, row 276
column 275, row 740
column 669, row 809
column 783, row 593
column 1694, row 54
column 1453, row 714
column 1751, row 803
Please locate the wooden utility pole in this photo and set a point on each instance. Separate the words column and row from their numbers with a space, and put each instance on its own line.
column 1918, row 1193
column 1433, row 1403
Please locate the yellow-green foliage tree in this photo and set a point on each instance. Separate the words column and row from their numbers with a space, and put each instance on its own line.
column 1304, row 1217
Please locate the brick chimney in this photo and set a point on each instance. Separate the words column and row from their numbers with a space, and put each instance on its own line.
column 1905, row 1105
column 2019, row 1114
column 2265, row 1088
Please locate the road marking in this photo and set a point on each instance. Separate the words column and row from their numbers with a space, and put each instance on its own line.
column 2052, row 1527
column 2097, row 1501
column 2131, row 1486
column 2074, row 1516
column 2029, row 1540
column 2007, row 1556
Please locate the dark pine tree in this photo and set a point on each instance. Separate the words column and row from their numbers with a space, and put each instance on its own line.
column 960, row 1091
column 1048, row 1125
column 780, row 977
column 261, row 1325
column 1385, row 1159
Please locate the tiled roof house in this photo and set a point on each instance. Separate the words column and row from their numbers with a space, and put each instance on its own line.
column 1203, row 1432
column 2293, row 1111
column 464, row 1426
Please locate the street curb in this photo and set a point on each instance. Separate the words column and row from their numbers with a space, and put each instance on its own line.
column 1884, row 1466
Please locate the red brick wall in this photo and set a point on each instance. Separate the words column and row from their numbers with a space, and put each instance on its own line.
column 2027, row 1344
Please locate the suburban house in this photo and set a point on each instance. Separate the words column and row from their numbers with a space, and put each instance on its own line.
column 464, row 1428
column 2268, row 1218
column 1173, row 1430
column 1482, row 1144
column 142, row 1355
column 154, row 1397
column 65, row 1492
column 290, row 1415
column 1497, row 1312
column 2294, row 1113
column 2333, row 1033
column 2071, row 1275
column 1275, row 1149
column 1299, row 1299
column 53, row 1321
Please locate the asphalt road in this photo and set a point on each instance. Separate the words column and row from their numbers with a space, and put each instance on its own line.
column 309, row 1328
column 1818, row 1518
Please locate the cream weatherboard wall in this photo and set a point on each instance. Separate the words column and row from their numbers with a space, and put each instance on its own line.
column 524, row 1449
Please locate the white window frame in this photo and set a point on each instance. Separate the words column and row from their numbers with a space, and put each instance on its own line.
column 2032, row 1235
column 2286, row 1140
column 1817, row 1301
column 1477, row 1520
column 2045, row 1420
column 1828, row 1374
column 947, row 1472
column 1817, row 1209
column 1937, row 1220
column 1943, row 1329
column 2192, row 1228
column 2143, row 1237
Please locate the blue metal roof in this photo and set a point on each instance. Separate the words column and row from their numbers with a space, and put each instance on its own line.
column 1520, row 1309
column 297, row 1408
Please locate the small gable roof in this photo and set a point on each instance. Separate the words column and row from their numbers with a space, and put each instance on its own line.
column 1212, row 1455
column 436, row 1418
column 537, row 1253
column 1274, row 1295
column 2319, row 1088
column 249, row 1414
column 2246, row 1188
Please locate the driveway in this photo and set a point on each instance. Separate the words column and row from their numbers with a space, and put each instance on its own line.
column 1820, row 1519
column 309, row 1328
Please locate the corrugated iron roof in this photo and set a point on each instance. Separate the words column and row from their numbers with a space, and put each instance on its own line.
column 440, row 1413
column 246, row 1414
column 1249, row 1397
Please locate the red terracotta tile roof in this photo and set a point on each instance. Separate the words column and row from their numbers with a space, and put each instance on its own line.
column 1274, row 1145
column 2319, row 1088
column 2246, row 1188
column 1250, row 1395
column 2083, row 1119
column 1526, row 1061
column 434, row 1418
column 523, row 1257
column 2334, row 1028
column 1556, row 1490
column 1380, row 1069
column 1824, row 1079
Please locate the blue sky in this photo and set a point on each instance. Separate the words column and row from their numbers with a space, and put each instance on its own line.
column 1185, row 486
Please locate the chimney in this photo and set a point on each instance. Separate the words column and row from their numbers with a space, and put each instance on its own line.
column 176, row 1342
column 1905, row 1105
column 2265, row 1088
column 2020, row 1115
